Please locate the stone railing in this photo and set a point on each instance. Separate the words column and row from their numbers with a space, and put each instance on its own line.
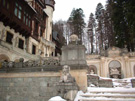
column 40, row 63
column 92, row 56
column 48, row 43
column 132, row 54
column 95, row 80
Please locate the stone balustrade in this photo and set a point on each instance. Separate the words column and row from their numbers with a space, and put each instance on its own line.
column 48, row 64
column 132, row 54
column 92, row 56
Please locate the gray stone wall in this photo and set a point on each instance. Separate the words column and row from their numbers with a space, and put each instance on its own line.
column 28, row 89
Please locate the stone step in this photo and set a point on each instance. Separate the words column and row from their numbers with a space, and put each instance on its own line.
column 104, row 99
column 110, row 95
column 113, row 92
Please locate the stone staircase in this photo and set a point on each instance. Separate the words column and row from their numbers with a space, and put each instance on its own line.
column 126, row 83
column 107, row 94
column 122, row 91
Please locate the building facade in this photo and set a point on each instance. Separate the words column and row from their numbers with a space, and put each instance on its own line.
column 24, row 29
column 113, row 62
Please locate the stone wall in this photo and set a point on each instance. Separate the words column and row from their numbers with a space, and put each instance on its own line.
column 28, row 86
column 133, row 83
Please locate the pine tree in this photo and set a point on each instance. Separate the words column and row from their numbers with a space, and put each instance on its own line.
column 91, row 28
column 76, row 21
column 99, row 14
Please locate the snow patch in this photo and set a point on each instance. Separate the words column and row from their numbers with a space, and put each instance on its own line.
column 56, row 98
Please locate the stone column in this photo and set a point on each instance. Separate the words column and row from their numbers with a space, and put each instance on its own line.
column 127, row 69
column 103, row 67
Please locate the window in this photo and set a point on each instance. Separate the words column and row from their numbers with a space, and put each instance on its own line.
column 9, row 37
column 33, row 49
column 21, row 43
column 5, row 4
column 18, row 11
column 41, row 32
column 19, row 15
column 36, row 27
column 27, row 19
column 24, row 17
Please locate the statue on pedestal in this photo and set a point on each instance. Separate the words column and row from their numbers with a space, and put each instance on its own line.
column 91, row 71
column 114, row 72
column 67, row 86
column 66, row 76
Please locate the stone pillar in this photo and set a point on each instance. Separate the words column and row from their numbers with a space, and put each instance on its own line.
column 127, row 69
column 103, row 67
column 80, row 77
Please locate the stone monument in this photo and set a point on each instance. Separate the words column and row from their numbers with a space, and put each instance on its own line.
column 66, row 76
column 73, row 55
column 67, row 86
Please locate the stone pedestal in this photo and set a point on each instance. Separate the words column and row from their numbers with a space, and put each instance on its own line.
column 73, row 54
column 64, row 88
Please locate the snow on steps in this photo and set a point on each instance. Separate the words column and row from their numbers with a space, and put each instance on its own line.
column 122, row 83
column 107, row 94
column 122, row 91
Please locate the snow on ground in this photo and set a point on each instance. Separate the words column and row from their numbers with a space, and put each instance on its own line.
column 78, row 96
column 56, row 98
column 107, row 92
column 120, row 85
column 118, row 89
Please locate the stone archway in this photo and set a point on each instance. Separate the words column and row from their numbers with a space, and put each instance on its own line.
column 4, row 57
column 115, row 69
column 92, row 69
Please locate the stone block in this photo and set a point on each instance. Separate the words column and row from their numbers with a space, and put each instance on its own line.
column 92, row 79
column 133, row 83
column 105, row 83
column 43, row 83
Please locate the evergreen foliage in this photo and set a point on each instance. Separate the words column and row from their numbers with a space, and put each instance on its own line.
column 76, row 21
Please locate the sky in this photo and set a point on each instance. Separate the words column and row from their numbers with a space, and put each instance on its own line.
column 63, row 8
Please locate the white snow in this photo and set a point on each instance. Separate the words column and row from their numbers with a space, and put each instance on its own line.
column 56, row 98
column 122, row 91
column 122, row 88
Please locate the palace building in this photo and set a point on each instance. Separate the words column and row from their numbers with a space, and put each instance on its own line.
column 26, row 29
column 112, row 63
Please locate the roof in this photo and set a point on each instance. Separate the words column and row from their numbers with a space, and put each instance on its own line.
column 30, row 6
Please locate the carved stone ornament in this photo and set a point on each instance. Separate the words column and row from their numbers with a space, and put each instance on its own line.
column 74, row 37
column 66, row 76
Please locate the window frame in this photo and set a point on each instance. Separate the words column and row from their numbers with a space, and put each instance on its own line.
column 9, row 37
column 33, row 50
column 21, row 46
column 18, row 10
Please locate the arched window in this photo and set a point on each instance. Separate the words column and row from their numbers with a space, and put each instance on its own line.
column 92, row 69
column 115, row 69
